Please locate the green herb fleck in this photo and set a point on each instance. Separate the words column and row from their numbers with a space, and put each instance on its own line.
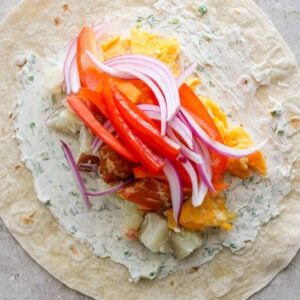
column 200, row 68
column 276, row 113
column 211, row 84
column 74, row 194
column 280, row 132
column 240, row 214
column 48, row 203
column 233, row 246
column 32, row 59
column 139, row 19
column 45, row 156
column 175, row 21
column 206, row 37
column 138, row 26
column 73, row 229
column 258, row 198
column 151, row 21
column 209, row 251
column 32, row 125
column 37, row 167
column 127, row 253
column 247, row 181
column 30, row 78
column 294, row 12
column 202, row 10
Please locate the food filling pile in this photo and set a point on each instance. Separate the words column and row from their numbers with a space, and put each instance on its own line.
column 147, row 133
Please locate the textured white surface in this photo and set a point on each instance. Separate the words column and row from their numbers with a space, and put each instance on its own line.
column 22, row 278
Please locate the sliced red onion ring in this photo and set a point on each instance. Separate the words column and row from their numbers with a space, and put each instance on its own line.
column 204, row 169
column 176, row 188
column 125, row 74
column 77, row 176
column 154, row 74
column 191, row 155
column 70, row 69
column 98, row 142
column 110, row 190
column 215, row 145
column 87, row 167
column 74, row 77
column 157, row 71
column 153, row 112
column 194, row 180
column 185, row 74
column 109, row 70
column 202, row 191
column 70, row 54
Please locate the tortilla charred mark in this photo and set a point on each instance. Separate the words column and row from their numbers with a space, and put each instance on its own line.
column 65, row 7
column 113, row 167
column 18, row 167
column 29, row 220
column 294, row 122
column 74, row 251
column 57, row 21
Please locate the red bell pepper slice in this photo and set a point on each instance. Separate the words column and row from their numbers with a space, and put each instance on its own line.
column 90, row 76
column 82, row 110
column 140, row 172
column 152, row 161
column 94, row 97
column 197, row 110
column 143, row 126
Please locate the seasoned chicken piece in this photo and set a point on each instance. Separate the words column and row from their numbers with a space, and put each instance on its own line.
column 87, row 162
column 149, row 193
column 113, row 167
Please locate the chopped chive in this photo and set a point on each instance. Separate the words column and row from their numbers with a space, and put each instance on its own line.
column 202, row 10
column 175, row 21
column 32, row 125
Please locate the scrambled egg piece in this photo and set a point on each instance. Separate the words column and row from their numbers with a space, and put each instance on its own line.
column 237, row 138
column 240, row 139
column 212, row 212
column 140, row 42
column 217, row 114
column 164, row 49
column 115, row 46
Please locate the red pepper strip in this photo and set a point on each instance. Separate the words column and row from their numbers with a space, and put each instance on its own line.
column 140, row 172
column 220, row 185
column 90, row 76
column 94, row 97
column 143, row 126
column 192, row 103
column 81, row 109
column 152, row 161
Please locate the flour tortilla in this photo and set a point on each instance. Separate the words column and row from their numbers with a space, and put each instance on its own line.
column 49, row 25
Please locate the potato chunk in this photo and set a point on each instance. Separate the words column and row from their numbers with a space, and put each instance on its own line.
column 184, row 243
column 154, row 233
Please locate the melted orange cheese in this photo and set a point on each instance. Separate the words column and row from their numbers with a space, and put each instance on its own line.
column 212, row 212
